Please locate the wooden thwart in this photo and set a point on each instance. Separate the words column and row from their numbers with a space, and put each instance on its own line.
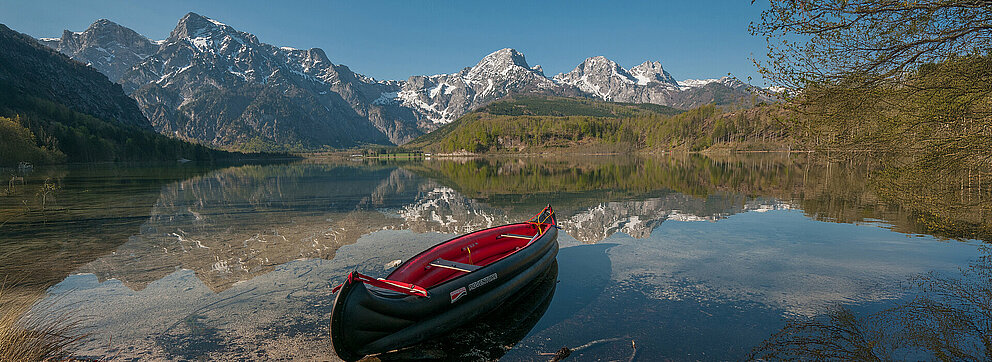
column 454, row 265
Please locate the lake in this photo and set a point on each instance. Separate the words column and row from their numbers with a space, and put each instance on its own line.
column 679, row 257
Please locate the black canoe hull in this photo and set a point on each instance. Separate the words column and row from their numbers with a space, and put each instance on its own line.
column 492, row 335
column 367, row 321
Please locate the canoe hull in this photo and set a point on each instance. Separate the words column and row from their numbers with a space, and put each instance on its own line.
column 492, row 335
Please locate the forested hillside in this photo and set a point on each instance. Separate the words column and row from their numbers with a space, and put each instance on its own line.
column 51, row 133
column 531, row 123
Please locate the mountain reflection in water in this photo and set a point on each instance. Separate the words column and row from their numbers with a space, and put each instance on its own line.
column 237, row 223
column 691, row 257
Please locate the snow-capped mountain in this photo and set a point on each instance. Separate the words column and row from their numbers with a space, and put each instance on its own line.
column 110, row 48
column 650, row 83
column 444, row 97
column 607, row 80
column 213, row 84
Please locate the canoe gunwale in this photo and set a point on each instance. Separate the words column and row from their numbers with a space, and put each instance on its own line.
column 483, row 267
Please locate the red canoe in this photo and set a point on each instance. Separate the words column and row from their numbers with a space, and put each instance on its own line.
column 441, row 288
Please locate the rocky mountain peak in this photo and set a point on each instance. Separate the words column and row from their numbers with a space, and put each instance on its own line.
column 104, row 24
column 500, row 63
column 604, row 78
column 110, row 48
column 106, row 33
column 311, row 61
column 649, row 71
column 600, row 62
column 598, row 75
column 193, row 25
column 69, row 40
column 729, row 82
column 442, row 98
column 220, row 86
column 197, row 28
column 505, row 57
column 604, row 66
column 36, row 71
column 317, row 55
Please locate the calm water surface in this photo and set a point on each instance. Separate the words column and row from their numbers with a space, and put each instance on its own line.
column 686, row 258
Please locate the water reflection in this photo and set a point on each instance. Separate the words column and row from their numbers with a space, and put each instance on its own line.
column 55, row 219
column 848, row 191
column 947, row 318
column 234, row 224
column 237, row 223
column 279, row 314
column 688, row 256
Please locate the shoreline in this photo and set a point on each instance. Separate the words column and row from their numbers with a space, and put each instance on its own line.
column 350, row 155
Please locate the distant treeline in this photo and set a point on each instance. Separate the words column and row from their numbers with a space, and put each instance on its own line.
column 41, row 131
column 533, row 122
column 529, row 105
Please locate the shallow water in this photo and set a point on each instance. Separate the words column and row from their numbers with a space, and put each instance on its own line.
column 686, row 258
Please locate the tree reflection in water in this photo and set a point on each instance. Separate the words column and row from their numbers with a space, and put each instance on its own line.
column 949, row 319
column 953, row 204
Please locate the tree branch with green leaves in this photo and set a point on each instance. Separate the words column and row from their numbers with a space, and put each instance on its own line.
column 825, row 41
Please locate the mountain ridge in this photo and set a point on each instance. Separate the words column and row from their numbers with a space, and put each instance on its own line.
column 204, row 59
column 30, row 69
column 55, row 109
column 211, row 83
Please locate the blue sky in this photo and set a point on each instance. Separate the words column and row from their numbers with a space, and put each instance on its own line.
column 396, row 39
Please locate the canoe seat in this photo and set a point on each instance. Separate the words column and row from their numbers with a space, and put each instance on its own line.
column 517, row 236
column 454, row 265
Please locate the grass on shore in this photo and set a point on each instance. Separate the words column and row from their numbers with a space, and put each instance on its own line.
column 36, row 331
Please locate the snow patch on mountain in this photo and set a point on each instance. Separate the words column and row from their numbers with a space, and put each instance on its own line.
column 697, row 83
column 386, row 98
column 642, row 79
column 215, row 22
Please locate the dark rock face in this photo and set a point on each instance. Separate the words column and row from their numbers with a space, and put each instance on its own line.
column 29, row 68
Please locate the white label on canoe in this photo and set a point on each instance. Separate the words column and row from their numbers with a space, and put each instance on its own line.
column 483, row 281
column 458, row 294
